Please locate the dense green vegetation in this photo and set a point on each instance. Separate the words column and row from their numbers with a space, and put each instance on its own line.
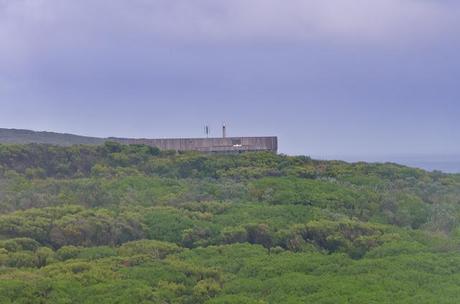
column 131, row 224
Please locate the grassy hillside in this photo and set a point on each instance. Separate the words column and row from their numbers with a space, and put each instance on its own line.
column 131, row 224
column 15, row 136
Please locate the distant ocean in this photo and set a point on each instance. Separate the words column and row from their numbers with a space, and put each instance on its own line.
column 447, row 164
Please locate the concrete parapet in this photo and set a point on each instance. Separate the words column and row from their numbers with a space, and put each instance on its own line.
column 212, row 145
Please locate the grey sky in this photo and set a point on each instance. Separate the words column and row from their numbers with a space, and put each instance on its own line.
column 338, row 77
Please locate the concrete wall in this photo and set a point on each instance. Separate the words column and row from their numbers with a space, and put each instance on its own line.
column 224, row 145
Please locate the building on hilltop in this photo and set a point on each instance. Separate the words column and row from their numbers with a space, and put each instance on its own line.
column 210, row 145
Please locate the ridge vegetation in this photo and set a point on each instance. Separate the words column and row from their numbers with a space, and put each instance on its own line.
column 20, row 136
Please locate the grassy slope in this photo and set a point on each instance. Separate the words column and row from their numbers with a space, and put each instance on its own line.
column 15, row 136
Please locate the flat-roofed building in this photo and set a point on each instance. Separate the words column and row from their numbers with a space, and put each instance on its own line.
column 211, row 145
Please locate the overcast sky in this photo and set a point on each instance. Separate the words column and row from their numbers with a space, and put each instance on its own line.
column 329, row 77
